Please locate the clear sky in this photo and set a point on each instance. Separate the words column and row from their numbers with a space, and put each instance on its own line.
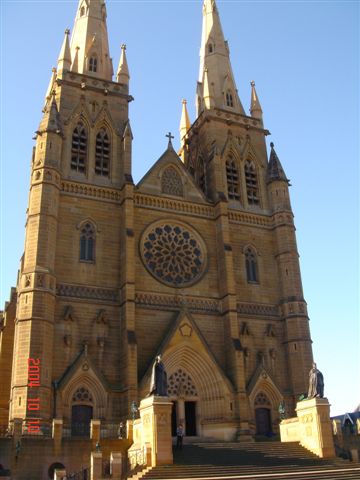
column 304, row 57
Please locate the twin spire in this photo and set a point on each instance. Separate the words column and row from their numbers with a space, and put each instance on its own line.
column 88, row 51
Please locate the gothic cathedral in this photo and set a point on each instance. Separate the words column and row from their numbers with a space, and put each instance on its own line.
column 197, row 262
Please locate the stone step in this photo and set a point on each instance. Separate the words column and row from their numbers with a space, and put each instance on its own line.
column 262, row 460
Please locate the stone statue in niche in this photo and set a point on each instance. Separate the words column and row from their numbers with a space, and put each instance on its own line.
column 158, row 382
column 316, row 383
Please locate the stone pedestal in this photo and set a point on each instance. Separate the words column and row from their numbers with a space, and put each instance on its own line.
column 95, row 426
column 116, row 465
column 155, row 414
column 315, row 430
column 57, row 427
column 96, row 466
column 59, row 474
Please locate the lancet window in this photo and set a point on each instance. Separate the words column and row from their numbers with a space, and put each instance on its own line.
column 102, row 153
column 79, row 148
column 252, row 189
column 229, row 99
column 232, row 177
column 87, row 243
column 251, row 265
column 93, row 63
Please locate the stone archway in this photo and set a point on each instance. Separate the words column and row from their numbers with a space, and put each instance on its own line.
column 183, row 393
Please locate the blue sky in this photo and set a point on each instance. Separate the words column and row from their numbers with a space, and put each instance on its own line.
column 304, row 58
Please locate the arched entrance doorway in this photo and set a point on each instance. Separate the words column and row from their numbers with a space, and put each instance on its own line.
column 263, row 414
column 183, row 393
column 81, row 413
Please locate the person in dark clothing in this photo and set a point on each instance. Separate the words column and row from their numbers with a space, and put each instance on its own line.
column 179, row 436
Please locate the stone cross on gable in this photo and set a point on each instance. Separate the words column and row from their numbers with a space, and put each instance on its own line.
column 169, row 136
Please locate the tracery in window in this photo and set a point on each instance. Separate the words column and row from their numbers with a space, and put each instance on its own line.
column 79, row 148
column 93, row 64
column 251, row 265
column 171, row 182
column 180, row 383
column 102, row 153
column 232, row 177
column 262, row 400
column 87, row 243
column 81, row 395
column 251, row 183
column 229, row 99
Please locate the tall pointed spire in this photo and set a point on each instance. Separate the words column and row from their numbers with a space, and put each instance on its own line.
column 123, row 75
column 255, row 107
column 215, row 59
column 64, row 60
column 275, row 170
column 184, row 122
column 89, row 40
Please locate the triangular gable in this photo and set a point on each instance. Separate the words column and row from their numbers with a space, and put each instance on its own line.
column 151, row 182
column 185, row 347
column 261, row 381
column 81, row 364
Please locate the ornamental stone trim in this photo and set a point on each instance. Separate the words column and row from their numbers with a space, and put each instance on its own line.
column 256, row 309
column 173, row 253
column 257, row 220
column 171, row 205
column 80, row 189
column 90, row 293
column 166, row 302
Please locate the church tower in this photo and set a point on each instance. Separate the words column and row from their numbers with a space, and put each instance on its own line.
column 71, row 266
column 225, row 151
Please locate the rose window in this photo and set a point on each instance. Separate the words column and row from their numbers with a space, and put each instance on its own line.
column 173, row 254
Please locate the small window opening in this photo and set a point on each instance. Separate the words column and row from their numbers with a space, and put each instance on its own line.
column 210, row 48
column 93, row 64
column 82, row 11
column 251, row 266
column 229, row 99
column 87, row 243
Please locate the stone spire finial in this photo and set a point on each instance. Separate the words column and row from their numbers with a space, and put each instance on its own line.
column 64, row 60
column 255, row 107
column 275, row 170
column 123, row 75
column 184, row 122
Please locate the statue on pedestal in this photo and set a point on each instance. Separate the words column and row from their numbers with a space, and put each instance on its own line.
column 316, row 383
column 158, row 382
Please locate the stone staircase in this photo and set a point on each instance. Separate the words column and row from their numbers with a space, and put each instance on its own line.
column 257, row 460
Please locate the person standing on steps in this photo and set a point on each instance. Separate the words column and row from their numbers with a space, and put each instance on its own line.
column 179, row 437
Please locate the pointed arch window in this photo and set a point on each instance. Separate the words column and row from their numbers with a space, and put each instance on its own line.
column 79, row 148
column 252, row 189
column 232, row 177
column 229, row 99
column 87, row 243
column 171, row 182
column 93, row 63
column 102, row 153
column 251, row 265
column 210, row 48
column 82, row 11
